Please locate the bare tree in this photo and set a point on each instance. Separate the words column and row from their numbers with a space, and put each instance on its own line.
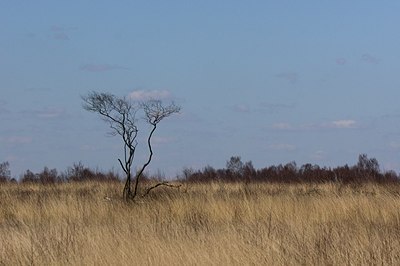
column 154, row 113
column 121, row 113
column 5, row 173
column 235, row 165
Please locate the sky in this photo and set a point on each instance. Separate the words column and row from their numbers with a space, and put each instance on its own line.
column 270, row 81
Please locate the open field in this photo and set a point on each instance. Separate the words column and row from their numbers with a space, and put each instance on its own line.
column 200, row 224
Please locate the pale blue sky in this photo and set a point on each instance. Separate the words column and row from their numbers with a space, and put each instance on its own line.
column 271, row 81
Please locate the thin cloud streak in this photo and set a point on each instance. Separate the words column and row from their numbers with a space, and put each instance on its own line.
column 60, row 33
column 38, row 90
column 160, row 141
column 341, row 61
column 60, row 36
column 3, row 109
column 282, row 126
column 281, row 147
column 101, row 67
column 264, row 107
column 318, row 155
column 343, row 124
column 241, row 108
column 46, row 113
column 336, row 124
column 274, row 108
column 394, row 145
column 16, row 140
column 292, row 77
column 370, row 59
column 143, row 95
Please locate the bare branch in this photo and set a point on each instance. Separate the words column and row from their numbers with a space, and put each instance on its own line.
column 155, row 111
column 119, row 113
column 160, row 184
column 122, row 166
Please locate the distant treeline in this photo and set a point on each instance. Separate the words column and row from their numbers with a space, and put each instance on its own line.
column 366, row 170
column 77, row 172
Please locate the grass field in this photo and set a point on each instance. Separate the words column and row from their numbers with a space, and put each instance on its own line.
column 200, row 224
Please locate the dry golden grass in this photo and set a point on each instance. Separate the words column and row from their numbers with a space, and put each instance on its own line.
column 208, row 224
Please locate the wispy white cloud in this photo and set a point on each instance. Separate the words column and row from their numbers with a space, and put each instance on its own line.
column 391, row 165
column 61, row 33
column 101, row 67
column 159, row 141
column 370, row 59
column 264, row 107
column 318, row 155
column 50, row 113
column 16, row 140
column 282, row 126
column 94, row 147
column 38, row 89
column 60, row 36
column 273, row 108
column 87, row 147
column 162, row 140
column 46, row 113
column 187, row 117
column 343, row 124
column 281, row 147
column 142, row 95
column 292, row 77
column 30, row 35
column 394, row 145
column 12, row 158
column 3, row 109
column 336, row 124
column 241, row 108
column 341, row 61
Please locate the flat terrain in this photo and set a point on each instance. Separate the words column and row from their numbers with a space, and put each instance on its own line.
column 200, row 224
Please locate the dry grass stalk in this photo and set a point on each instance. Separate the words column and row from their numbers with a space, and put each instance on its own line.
column 207, row 224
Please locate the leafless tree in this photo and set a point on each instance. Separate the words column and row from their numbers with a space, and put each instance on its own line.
column 235, row 165
column 121, row 113
column 5, row 173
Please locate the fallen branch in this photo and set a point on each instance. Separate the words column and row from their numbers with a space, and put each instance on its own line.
column 160, row 184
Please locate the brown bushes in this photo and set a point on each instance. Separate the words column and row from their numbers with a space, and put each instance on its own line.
column 77, row 173
column 366, row 170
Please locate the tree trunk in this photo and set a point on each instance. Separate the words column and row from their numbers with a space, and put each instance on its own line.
column 127, row 193
column 147, row 163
